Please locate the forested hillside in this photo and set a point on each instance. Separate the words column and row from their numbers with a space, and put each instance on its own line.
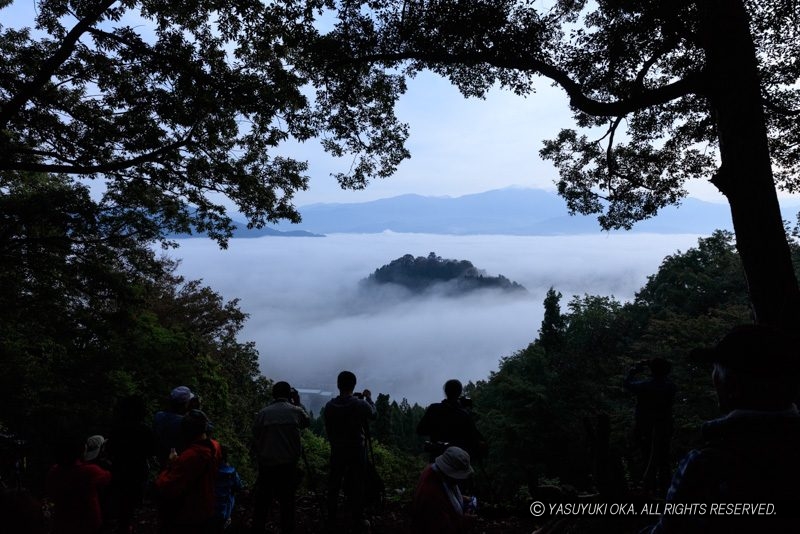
column 454, row 277
column 89, row 313
column 549, row 405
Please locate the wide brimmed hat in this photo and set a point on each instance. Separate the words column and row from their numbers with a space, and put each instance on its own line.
column 454, row 462
column 93, row 447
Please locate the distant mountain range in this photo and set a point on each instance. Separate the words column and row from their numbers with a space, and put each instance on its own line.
column 510, row 211
column 242, row 231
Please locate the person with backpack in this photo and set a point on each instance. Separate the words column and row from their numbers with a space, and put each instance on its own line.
column 167, row 424
column 448, row 423
column 227, row 485
column 186, row 485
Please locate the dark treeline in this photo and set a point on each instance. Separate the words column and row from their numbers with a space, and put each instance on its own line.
column 89, row 313
column 548, row 405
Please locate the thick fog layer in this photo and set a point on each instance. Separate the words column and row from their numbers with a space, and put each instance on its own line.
column 309, row 319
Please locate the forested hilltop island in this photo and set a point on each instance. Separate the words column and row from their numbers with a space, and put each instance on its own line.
column 433, row 273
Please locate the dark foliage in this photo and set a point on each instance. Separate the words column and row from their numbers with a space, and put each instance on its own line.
column 90, row 314
column 432, row 273
column 544, row 404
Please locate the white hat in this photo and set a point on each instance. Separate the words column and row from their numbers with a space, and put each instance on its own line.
column 93, row 446
column 454, row 462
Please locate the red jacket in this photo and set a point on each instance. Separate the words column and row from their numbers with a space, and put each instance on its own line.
column 74, row 492
column 432, row 511
column 187, row 483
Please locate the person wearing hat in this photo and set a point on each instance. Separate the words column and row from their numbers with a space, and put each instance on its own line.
column 652, row 426
column 74, row 486
column 438, row 505
column 186, row 485
column 95, row 451
column 750, row 454
column 167, row 423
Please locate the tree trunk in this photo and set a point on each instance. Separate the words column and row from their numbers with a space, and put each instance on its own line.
column 745, row 176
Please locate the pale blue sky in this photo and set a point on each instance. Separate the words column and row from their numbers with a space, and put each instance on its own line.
column 460, row 146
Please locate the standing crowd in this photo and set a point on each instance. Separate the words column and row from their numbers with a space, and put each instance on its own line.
column 749, row 455
column 97, row 484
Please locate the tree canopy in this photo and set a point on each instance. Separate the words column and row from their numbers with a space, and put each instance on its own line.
column 547, row 406
column 174, row 105
column 662, row 93
column 89, row 316
column 453, row 277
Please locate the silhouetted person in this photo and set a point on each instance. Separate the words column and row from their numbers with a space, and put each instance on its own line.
column 653, row 419
column 276, row 437
column 74, row 486
column 438, row 506
column 345, row 419
column 448, row 422
column 129, row 447
column 167, row 423
column 750, row 455
column 608, row 469
column 186, row 485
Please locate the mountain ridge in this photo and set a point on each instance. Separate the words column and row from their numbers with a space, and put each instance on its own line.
column 508, row 211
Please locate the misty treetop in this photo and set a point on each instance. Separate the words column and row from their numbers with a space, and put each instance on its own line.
column 433, row 273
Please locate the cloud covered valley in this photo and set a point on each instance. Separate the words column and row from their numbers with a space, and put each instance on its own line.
column 309, row 319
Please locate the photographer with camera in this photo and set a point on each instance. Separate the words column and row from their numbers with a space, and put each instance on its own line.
column 653, row 419
column 346, row 417
column 449, row 423
column 276, row 434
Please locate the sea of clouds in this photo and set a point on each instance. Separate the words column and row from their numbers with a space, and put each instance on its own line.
column 309, row 320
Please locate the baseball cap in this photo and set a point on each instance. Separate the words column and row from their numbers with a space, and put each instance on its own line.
column 181, row 394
